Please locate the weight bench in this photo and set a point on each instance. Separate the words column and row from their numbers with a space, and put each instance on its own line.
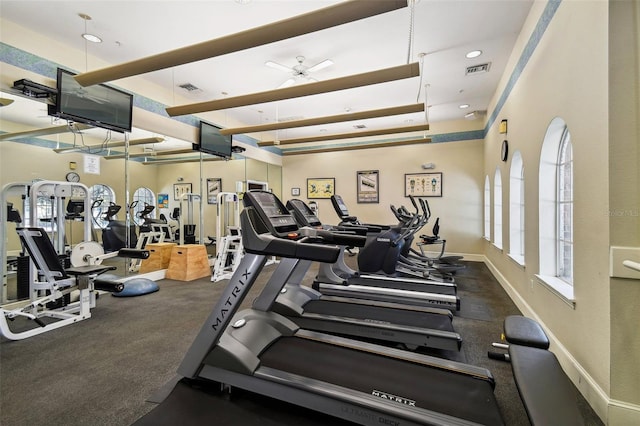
column 53, row 283
column 548, row 395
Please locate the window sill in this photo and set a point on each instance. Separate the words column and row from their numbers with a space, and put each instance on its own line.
column 559, row 288
column 517, row 259
column 497, row 247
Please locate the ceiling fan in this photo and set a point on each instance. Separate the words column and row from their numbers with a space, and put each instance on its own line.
column 299, row 72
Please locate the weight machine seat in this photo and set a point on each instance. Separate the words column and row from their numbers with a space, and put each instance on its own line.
column 549, row 397
column 42, row 250
column 524, row 331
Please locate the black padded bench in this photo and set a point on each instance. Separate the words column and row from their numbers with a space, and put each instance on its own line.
column 519, row 330
column 548, row 395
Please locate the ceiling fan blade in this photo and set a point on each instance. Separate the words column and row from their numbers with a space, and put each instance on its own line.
column 338, row 14
column 322, row 65
column 349, row 82
column 278, row 66
column 287, row 83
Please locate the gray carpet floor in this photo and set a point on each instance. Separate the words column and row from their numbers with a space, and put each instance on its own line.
column 104, row 370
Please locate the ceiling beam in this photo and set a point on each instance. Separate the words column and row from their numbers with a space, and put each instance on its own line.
column 328, row 17
column 341, row 83
column 151, row 154
column 355, row 147
column 178, row 160
column 389, row 131
column 109, row 145
column 45, row 131
column 384, row 112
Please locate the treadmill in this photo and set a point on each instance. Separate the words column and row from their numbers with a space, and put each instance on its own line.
column 410, row 327
column 338, row 279
column 263, row 352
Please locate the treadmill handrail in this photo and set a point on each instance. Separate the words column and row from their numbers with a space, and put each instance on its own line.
column 264, row 243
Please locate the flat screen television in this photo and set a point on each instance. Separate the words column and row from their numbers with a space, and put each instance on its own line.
column 211, row 141
column 98, row 105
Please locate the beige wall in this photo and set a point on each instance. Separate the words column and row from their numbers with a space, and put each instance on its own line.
column 459, row 209
column 568, row 76
column 624, row 183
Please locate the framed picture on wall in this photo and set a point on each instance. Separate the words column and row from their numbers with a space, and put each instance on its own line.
column 295, row 192
column 423, row 184
column 321, row 187
column 368, row 189
column 179, row 189
column 214, row 187
column 163, row 201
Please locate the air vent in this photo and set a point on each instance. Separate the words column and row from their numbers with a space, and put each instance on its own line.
column 478, row 69
column 359, row 126
column 190, row 88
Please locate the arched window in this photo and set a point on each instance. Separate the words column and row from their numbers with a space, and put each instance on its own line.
column 497, row 209
column 516, row 208
column 108, row 196
column 45, row 213
column 556, row 209
column 564, row 209
column 487, row 208
column 143, row 196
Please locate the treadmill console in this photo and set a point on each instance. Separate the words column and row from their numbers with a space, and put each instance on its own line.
column 303, row 213
column 339, row 206
column 272, row 212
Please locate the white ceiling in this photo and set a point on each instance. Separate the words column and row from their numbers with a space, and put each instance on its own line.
column 443, row 30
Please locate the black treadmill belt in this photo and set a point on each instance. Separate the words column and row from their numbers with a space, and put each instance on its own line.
column 375, row 313
column 449, row 290
column 433, row 389
column 194, row 405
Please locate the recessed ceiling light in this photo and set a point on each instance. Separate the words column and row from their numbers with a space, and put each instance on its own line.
column 92, row 38
column 463, row 106
column 474, row 54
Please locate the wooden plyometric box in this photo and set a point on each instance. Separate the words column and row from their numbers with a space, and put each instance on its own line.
column 188, row 262
column 159, row 257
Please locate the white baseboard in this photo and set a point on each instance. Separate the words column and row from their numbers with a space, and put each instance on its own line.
column 586, row 385
column 465, row 256
column 623, row 414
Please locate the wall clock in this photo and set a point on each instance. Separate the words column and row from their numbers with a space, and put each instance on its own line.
column 505, row 150
column 72, row 177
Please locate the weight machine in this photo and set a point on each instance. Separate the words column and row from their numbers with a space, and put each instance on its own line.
column 229, row 249
column 50, row 284
column 188, row 230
